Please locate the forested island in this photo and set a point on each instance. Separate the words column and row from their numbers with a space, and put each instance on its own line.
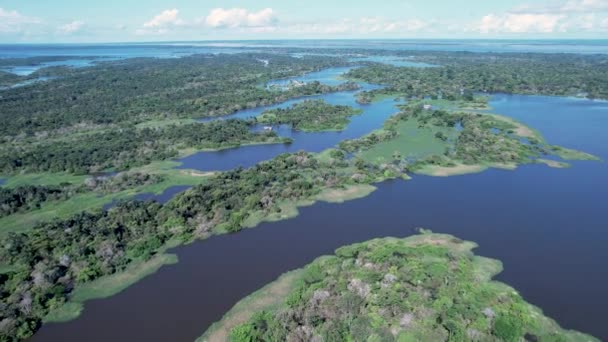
column 310, row 116
column 428, row 287
column 462, row 74
column 448, row 141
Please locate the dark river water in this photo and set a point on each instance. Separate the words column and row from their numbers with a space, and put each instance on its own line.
column 548, row 226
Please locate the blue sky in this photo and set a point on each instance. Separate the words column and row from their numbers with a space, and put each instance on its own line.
column 160, row 20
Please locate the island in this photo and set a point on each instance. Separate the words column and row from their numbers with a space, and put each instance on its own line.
column 449, row 141
column 310, row 116
column 427, row 287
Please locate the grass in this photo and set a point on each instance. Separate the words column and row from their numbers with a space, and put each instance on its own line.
column 411, row 142
column 268, row 297
column 458, row 105
column 569, row 154
column 520, row 129
column 88, row 201
column 42, row 179
column 347, row 194
column 288, row 209
column 553, row 163
column 377, row 97
column 446, row 171
column 164, row 123
column 108, row 286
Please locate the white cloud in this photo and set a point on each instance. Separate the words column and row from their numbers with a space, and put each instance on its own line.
column 165, row 19
column 71, row 28
column 564, row 16
column 161, row 23
column 564, row 7
column 519, row 23
column 240, row 17
column 13, row 21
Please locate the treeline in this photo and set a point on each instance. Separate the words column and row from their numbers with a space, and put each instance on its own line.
column 122, row 181
column 460, row 74
column 31, row 197
column 310, row 115
column 49, row 261
column 145, row 88
column 122, row 149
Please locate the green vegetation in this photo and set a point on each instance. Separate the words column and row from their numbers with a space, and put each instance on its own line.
column 428, row 287
column 413, row 142
column 142, row 89
column 56, row 257
column 31, row 207
column 269, row 297
column 462, row 74
column 310, row 116
column 124, row 149
column 108, row 286
column 59, row 249
column 442, row 142
column 367, row 97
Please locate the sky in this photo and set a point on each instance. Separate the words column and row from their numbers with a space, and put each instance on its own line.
column 73, row 21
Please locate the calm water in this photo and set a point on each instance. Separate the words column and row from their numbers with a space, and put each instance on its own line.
column 548, row 226
column 75, row 53
column 373, row 117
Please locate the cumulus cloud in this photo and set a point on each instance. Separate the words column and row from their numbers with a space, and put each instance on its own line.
column 13, row 21
column 240, row 17
column 520, row 23
column 161, row 23
column 164, row 19
column 561, row 16
column 71, row 28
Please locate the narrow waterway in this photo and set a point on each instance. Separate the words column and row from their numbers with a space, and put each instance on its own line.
column 373, row 117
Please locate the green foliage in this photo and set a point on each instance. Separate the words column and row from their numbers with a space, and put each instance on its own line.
column 508, row 328
column 461, row 74
column 141, row 89
column 91, row 245
column 346, row 301
column 123, row 149
column 310, row 115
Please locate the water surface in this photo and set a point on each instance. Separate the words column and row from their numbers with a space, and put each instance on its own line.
column 548, row 227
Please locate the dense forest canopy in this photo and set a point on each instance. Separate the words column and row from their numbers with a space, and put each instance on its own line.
column 310, row 115
column 144, row 88
column 125, row 148
column 538, row 74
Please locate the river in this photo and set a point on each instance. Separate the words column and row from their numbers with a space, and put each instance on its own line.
column 548, row 226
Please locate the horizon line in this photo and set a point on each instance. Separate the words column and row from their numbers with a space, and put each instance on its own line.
column 304, row 39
